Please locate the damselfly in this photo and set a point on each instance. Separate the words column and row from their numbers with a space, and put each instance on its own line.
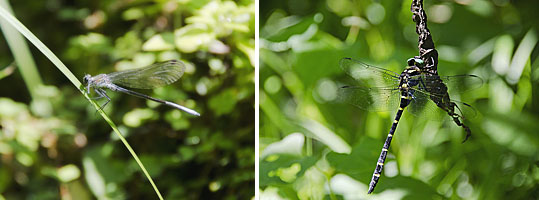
column 149, row 77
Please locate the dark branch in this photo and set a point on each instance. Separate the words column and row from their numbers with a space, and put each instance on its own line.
column 427, row 51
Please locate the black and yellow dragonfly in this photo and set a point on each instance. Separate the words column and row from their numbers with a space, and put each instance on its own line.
column 380, row 89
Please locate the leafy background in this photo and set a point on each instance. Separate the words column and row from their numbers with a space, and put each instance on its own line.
column 314, row 147
column 53, row 145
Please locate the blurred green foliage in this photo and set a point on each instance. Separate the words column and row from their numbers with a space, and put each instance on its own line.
column 313, row 147
column 57, row 147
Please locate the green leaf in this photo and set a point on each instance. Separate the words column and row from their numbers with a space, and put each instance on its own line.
column 137, row 116
column 360, row 165
column 326, row 136
column 68, row 173
column 310, row 68
column 191, row 38
column 275, row 168
column 160, row 42
column 224, row 102
column 127, row 45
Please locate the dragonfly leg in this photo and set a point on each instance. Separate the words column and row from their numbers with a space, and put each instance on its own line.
column 456, row 117
column 422, row 85
column 98, row 91
column 96, row 98
column 102, row 93
column 466, row 128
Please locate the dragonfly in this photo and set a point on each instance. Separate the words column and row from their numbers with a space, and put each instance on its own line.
column 380, row 89
column 149, row 77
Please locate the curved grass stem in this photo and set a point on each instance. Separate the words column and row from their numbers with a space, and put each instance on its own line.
column 5, row 15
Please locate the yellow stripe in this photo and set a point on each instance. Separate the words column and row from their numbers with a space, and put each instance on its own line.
column 382, row 164
column 384, row 149
column 377, row 175
column 403, row 97
column 400, row 108
column 389, row 135
column 396, row 121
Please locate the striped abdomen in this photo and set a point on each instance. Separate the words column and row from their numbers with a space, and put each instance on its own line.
column 405, row 100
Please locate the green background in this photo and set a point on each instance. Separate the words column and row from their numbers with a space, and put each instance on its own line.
column 54, row 145
column 313, row 147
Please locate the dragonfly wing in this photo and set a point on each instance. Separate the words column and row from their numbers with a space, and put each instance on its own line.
column 431, row 90
column 153, row 76
column 368, row 75
column 456, row 84
column 373, row 88
column 465, row 110
column 376, row 99
column 423, row 107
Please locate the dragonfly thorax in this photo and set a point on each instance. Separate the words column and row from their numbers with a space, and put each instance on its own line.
column 100, row 80
column 408, row 78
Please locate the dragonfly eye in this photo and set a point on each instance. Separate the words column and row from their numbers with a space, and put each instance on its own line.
column 86, row 78
column 411, row 62
column 419, row 62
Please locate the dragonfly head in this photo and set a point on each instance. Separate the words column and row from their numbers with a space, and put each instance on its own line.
column 86, row 81
column 410, row 62
column 416, row 61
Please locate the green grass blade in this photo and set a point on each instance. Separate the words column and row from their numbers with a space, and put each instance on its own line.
column 6, row 71
column 21, row 52
column 56, row 61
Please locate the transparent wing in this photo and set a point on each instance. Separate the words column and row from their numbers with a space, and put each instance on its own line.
column 386, row 99
column 373, row 88
column 465, row 110
column 455, row 84
column 376, row 89
column 431, row 92
column 153, row 76
column 376, row 99
column 423, row 107
column 368, row 75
